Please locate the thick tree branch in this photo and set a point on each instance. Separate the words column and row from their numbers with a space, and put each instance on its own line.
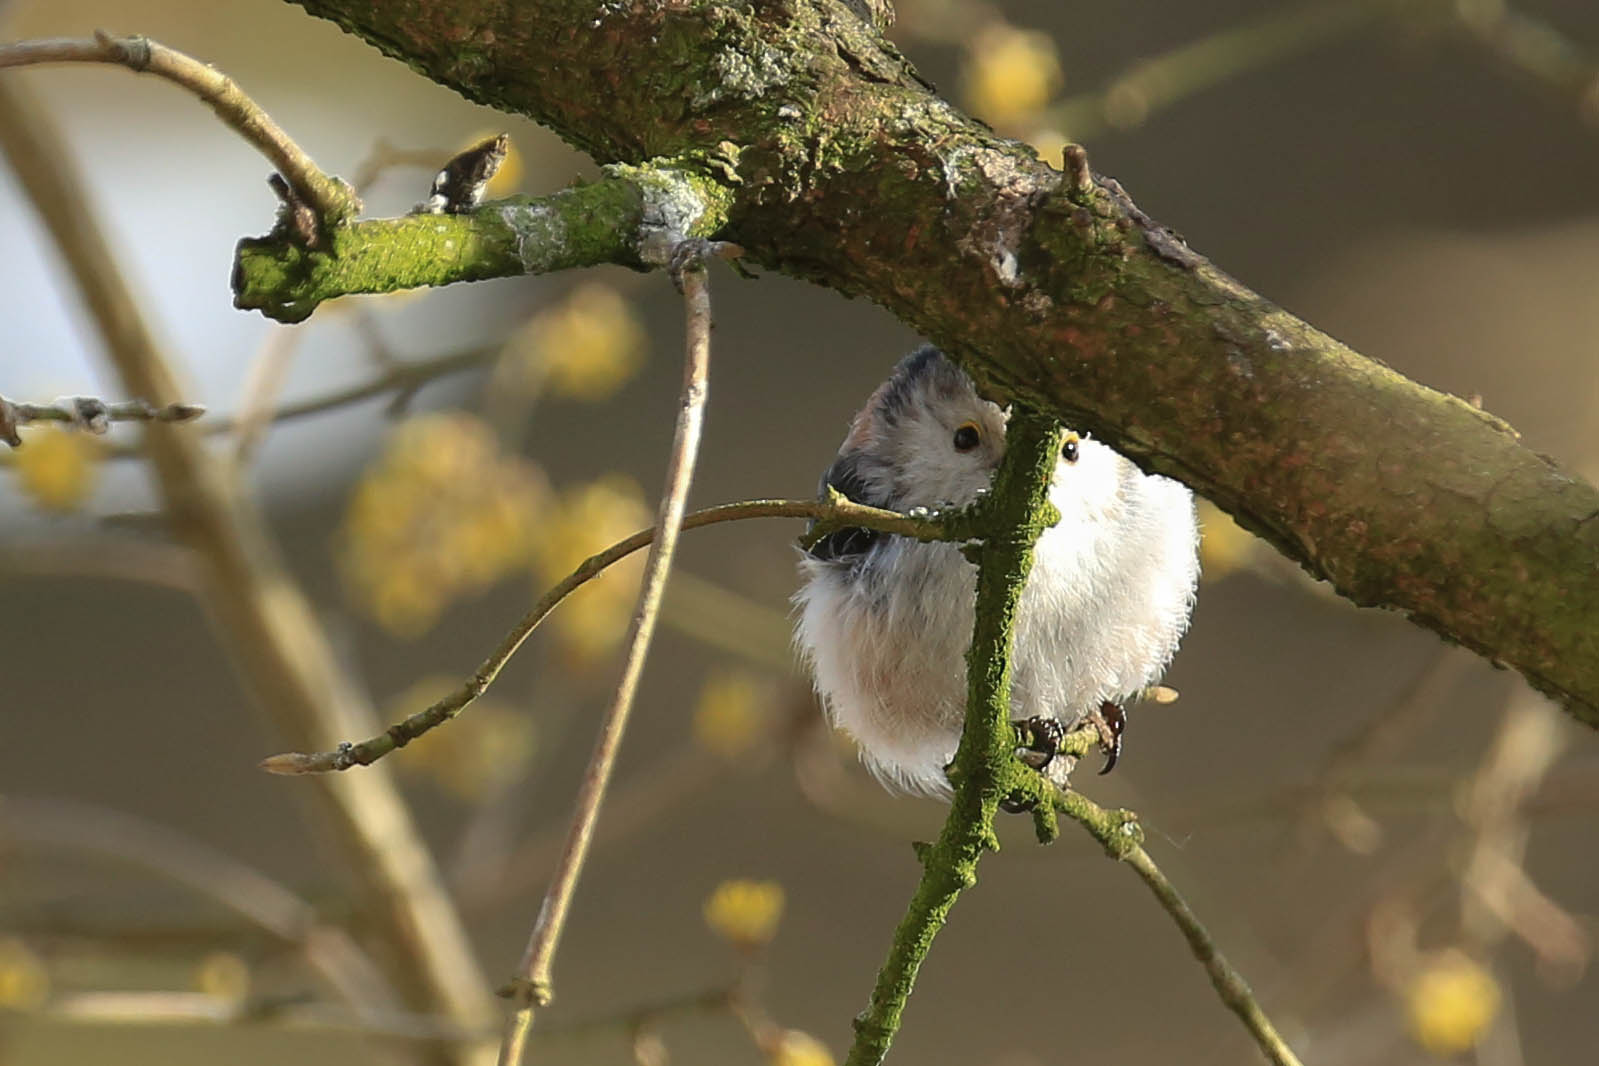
column 851, row 172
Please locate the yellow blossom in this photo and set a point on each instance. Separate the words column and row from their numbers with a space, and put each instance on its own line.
column 587, row 519
column 441, row 513
column 585, row 347
column 728, row 717
column 1226, row 547
column 472, row 756
column 224, row 975
column 745, row 912
column 57, row 468
column 24, row 981
column 1450, row 1004
column 1010, row 73
column 796, row 1048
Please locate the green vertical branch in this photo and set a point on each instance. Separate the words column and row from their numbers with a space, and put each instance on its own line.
column 985, row 769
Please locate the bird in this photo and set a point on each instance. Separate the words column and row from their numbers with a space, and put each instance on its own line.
column 884, row 621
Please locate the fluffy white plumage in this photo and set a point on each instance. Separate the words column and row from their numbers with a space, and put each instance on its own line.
column 885, row 621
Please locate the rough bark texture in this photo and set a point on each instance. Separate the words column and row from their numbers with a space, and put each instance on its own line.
column 846, row 169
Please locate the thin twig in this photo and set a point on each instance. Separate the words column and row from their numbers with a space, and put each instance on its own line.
column 331, row 199
column 531, row 987
column 1121, row 836
column 87, row 413
column 829, row 514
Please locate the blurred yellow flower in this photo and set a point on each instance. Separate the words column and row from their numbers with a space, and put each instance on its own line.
column 440, row 514
column 745, row 912
column 57, row 468
column 24, row 980
column 471, row 757
column 585, row 348
column 224, row 975
column 729, row 715
column 1450, row 1004
column 796, row 1048
column 1010, row 73
column 1226, row 547
column 587, row 519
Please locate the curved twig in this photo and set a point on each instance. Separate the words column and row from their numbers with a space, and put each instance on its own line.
column 834, row 513
column 331, row 199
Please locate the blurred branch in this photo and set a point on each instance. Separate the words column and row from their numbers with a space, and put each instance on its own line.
column 277, row 642
column 122, row 559
column 1498, row 894
column 826, row 515
column 1154, row 84
column 1328, row 791
column 261, row 387
column 532, row 985
column 129, row 1008
column 87, row 413
column 64, row 824
column 617, row 219
column 331, row 199
column 1537, row 49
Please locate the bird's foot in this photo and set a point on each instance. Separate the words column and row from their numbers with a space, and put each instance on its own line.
column 1038, row 740
column 1111, row 721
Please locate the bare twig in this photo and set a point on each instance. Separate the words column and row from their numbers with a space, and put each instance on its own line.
column 833, row 513
column 331, row 199
column 274, row 635
column 88, row 413
column 532, row 985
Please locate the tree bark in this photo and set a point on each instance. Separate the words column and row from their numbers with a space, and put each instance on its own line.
column 845, row 168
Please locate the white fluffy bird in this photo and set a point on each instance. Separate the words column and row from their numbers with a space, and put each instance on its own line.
column 885, row 621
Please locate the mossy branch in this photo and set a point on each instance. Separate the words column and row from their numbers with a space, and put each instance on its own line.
column 625, row 218
column 985, row 770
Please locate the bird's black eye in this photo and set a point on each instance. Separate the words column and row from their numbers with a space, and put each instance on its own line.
column 1068, row 448
column 967, row 437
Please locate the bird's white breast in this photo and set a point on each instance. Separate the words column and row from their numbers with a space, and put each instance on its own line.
column 1104, row 607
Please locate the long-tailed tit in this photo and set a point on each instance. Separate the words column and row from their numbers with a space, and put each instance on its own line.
column 885, row 621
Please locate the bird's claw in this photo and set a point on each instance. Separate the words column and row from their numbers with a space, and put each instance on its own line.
column 1040, row 738
column 1111, row 721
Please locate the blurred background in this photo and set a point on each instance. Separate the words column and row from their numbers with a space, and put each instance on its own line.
column 1393, row 841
